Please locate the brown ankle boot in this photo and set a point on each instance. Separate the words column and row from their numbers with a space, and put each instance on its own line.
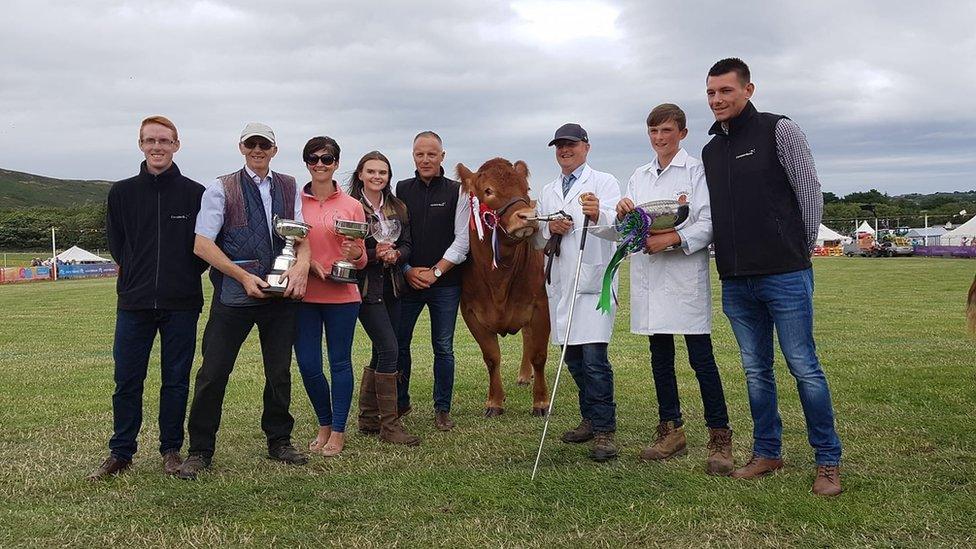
column 827, row 482
column 670, row 442
column 369, row 412
column 758, row 467
column 720, row 452
column 391, row 428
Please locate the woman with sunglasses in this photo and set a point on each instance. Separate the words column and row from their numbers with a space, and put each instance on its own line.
column 380, row 285
column 328, row 303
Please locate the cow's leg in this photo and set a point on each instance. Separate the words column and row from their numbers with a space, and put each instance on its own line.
column 490, row 352
column 535, row 347
column 525, row 369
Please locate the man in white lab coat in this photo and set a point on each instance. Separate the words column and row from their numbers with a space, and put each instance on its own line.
column 670, row 292
column 578, row 191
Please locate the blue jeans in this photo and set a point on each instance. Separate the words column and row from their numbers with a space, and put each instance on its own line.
column 754, row 306
column 590, row 368
column 135, row 332
column 339, row 320
column 442, row 301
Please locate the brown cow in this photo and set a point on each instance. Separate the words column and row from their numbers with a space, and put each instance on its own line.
column 512, row 296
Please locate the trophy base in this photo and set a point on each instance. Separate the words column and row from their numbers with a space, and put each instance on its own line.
column 276, row 286
column 343, row 272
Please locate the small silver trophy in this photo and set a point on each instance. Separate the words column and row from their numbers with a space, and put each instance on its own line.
column 665, row 215
column 289, row 229
column 343, row 270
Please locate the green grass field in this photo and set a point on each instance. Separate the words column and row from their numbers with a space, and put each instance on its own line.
column 890, row 334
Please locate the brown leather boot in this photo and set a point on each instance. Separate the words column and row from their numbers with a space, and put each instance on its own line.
column 757, row 467
column 171, row 463
column 582, row 433
column 827, row 482
column 720, row 452
column 112, row 466
column 603, row 448
column 670, row 443
column 369, row 412
column 391, row 428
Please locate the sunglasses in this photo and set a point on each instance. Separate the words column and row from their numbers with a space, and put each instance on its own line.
column 326, row 159
column 253, row 142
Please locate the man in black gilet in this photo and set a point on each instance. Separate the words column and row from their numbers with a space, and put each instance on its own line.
column 439, row 229
column 766, row 209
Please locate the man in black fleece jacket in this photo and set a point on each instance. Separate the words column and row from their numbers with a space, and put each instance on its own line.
column 150, row 225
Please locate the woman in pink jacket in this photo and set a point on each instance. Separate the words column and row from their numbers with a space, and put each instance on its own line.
column 328, row 303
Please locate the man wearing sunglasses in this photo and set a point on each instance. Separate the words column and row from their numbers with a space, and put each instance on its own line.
column 234, row 234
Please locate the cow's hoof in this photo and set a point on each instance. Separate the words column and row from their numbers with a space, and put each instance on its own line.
column 523, row 381
column 539, row 412
column 493, row 411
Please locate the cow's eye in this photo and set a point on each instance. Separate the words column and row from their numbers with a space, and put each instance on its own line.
column 488, row 191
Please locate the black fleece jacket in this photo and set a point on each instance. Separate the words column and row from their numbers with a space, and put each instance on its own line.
column 150, row 227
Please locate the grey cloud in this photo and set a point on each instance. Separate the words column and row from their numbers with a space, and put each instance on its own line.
column 879, row 89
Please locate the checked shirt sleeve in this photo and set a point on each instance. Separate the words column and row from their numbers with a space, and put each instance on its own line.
column 795, row 157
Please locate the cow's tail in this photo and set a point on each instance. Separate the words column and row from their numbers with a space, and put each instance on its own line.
column 971, row 307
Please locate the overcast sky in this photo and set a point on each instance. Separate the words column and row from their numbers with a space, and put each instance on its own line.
column 884, row 90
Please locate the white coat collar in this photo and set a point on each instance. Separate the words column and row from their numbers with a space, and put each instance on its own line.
column 680, row 159
column 574, row 191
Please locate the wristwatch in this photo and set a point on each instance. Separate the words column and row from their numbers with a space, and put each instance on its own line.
column 437, row 272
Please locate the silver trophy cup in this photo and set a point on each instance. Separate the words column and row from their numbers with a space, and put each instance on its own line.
column 289, row 229
column 665, row 215
column 343, row 270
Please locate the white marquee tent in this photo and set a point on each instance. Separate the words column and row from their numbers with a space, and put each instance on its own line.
column 75, row 254
column 955, row 236
column 825, row 233
column 865, row 228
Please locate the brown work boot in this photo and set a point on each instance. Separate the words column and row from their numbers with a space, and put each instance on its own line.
column 442, row 420
column 391, row 428
column 757, row 467
column 112, row 466
column 670, row 442
column 827, row 482
column 171, row 463
column 720, row 461
column 369, row 412
column 582, row 433
column 603, row 447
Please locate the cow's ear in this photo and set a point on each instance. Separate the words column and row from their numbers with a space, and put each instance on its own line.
column 465, row 176
column 522, row 168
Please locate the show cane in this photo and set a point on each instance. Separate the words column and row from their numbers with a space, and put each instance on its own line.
column 562, row 354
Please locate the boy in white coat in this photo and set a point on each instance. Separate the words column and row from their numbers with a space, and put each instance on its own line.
column 578, row 191
column 670, row 292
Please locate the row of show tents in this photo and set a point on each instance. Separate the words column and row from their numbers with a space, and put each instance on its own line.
column 936, row 235
column 75, row 262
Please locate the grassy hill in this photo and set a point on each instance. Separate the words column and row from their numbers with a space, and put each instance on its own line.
column 24, row 190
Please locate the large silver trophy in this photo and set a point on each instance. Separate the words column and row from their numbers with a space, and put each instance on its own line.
column 343, row 270
column 665, row 215
column 289, row 229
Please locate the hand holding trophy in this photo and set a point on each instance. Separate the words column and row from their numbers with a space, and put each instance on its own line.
column 342, row 269
column 289, row 229
column 386, row 232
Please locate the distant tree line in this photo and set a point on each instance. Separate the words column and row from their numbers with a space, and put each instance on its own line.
column 900, row 211
column 29, row 229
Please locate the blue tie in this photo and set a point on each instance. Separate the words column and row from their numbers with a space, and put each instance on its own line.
column 568, row 183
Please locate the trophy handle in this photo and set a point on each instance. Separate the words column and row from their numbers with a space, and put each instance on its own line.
column 682, row 215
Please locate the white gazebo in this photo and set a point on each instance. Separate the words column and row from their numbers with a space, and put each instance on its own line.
column 75, row 254
column 865, row 227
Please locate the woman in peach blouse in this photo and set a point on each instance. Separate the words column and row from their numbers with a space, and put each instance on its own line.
column 328, row 304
